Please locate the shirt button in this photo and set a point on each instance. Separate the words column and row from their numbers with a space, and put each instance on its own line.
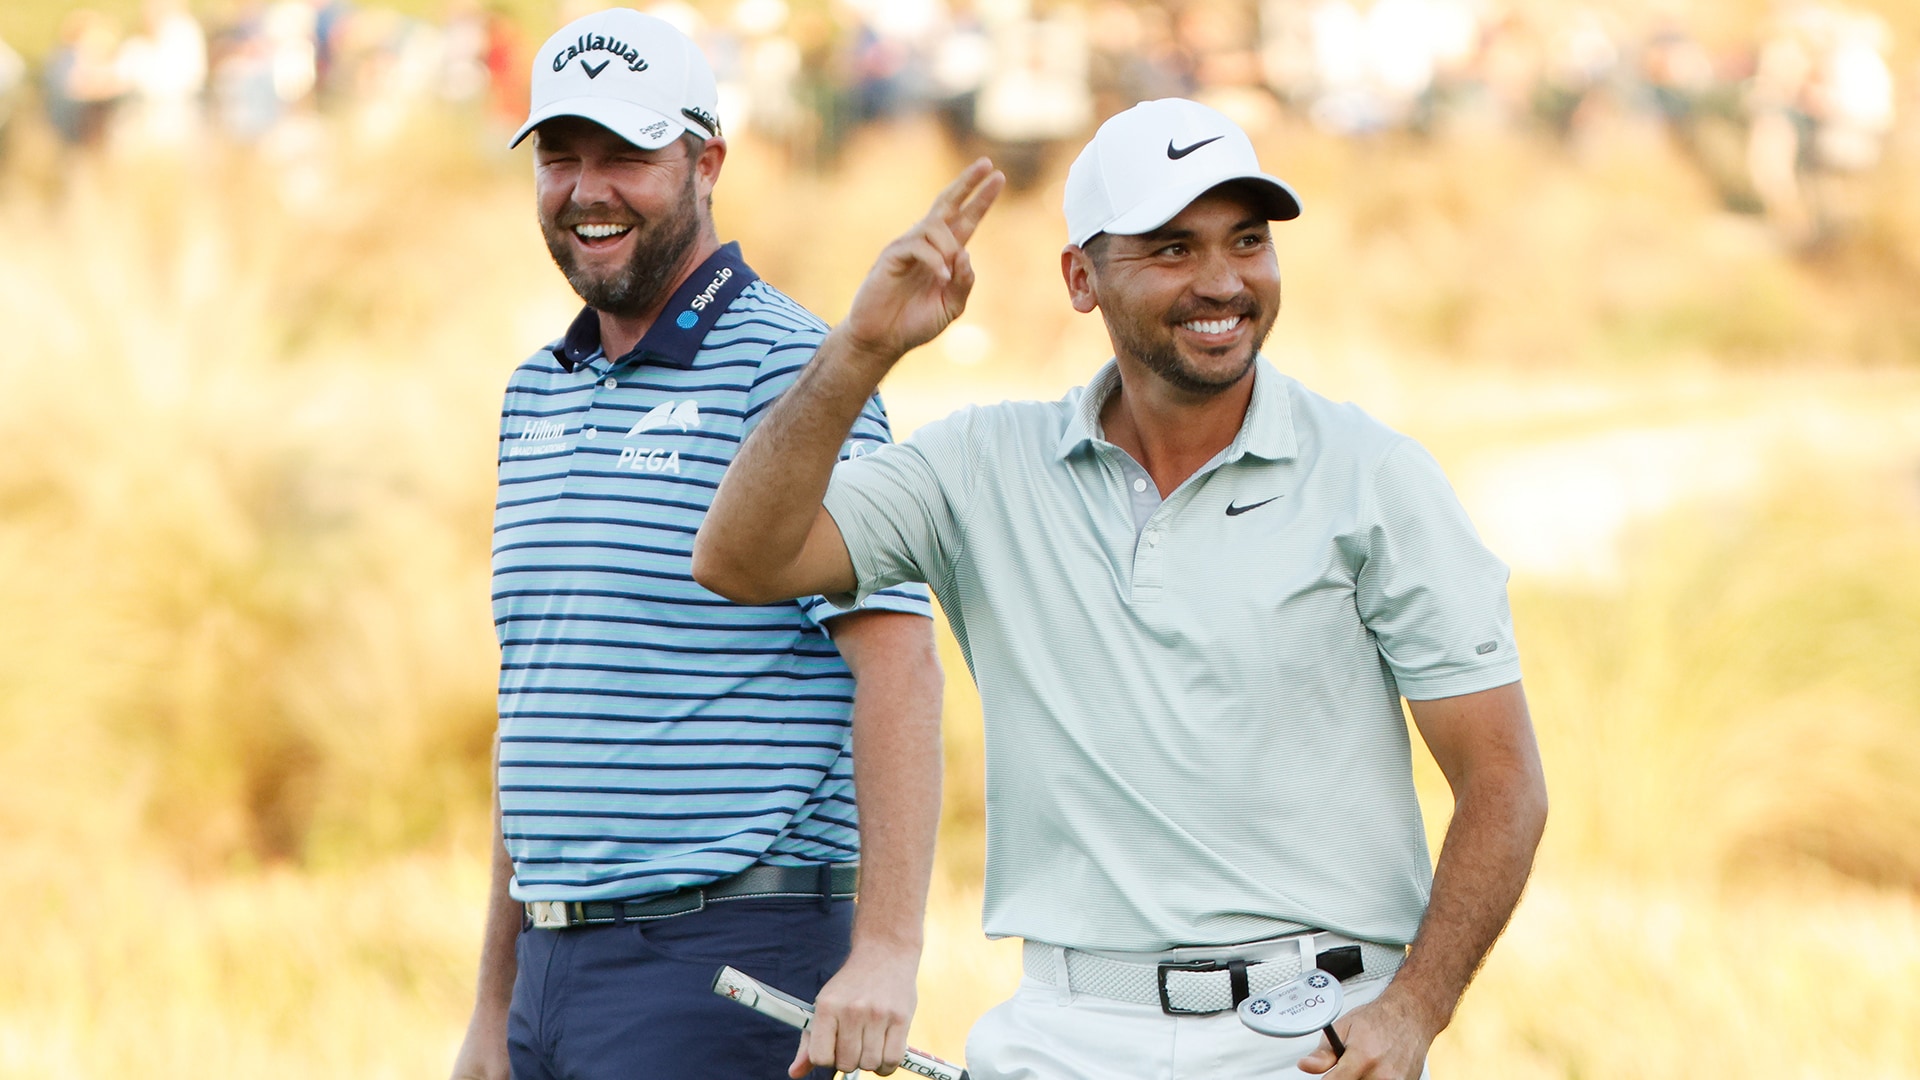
column 589, row 432
column 1153, row 538
column 1139, row 484
column 611, row 383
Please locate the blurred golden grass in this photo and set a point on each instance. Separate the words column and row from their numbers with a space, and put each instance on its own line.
column 245, row 692
column 1748, row 706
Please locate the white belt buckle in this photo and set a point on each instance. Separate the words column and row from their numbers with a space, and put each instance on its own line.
column 549, row 914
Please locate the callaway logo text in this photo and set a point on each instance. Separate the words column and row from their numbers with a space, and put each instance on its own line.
column 599, row 43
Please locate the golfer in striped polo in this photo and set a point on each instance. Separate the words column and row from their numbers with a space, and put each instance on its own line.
column 676, row 779
column 1193, row 594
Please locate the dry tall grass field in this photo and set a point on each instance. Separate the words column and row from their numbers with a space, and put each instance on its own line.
column 246, row 677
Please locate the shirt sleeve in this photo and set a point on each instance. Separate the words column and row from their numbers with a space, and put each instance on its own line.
column 780, row 366
column 1433, row 595
column 896, row 508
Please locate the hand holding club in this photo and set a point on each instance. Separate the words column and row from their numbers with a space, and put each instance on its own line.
column 1385, row 1039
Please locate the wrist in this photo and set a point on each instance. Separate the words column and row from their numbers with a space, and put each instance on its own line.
column 888, row 943
column 494, row 997
column 1431, row 1017
column 870, row 359
column 489, row 1016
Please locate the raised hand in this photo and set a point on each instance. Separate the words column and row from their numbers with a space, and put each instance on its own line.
column 919, row 285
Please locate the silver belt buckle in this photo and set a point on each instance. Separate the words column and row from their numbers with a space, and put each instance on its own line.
column 549, row 914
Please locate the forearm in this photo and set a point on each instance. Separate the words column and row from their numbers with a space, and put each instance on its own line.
column 504, row 915
column 1484, row 861
column 483, row 1053
column 770, row 497
column 765, row 537
column 861, row 1016
column 896, row 766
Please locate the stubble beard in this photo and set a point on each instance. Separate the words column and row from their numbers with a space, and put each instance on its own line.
column 1159, row 353
column 641, row 285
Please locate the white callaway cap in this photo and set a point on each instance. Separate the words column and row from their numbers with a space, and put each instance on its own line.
column 1146, row 164
column 632, row 74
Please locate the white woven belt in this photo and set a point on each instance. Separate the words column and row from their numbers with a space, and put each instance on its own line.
column 1197, row 981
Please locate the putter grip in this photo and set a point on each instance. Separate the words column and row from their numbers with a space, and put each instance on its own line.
column 738, row 986
column 930, row 1066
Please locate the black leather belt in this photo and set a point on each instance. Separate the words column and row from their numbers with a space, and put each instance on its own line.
column 837, row 881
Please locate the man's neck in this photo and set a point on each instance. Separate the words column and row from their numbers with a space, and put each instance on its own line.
column 1172, row 432
column 620, row 333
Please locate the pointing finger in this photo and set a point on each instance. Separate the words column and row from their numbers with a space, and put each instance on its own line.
column 951, row 196
column 967, row 218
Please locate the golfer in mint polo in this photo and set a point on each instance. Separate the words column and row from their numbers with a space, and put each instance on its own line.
column 1193, row 594
column 676, row 776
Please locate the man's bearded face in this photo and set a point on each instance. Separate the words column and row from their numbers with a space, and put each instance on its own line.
column 658, row 246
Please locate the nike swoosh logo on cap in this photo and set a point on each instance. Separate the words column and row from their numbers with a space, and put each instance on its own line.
column 594, row 72
column 1176, row 155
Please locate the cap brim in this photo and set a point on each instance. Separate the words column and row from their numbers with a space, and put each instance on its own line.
column 625, row 119
column 1279, row 203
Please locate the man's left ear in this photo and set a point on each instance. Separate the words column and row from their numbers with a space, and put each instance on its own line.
column 713, row 154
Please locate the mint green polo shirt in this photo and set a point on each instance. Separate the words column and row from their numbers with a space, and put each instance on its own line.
column 1193, row 725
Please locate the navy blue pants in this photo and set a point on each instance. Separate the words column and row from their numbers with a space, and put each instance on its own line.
column 635, row 1001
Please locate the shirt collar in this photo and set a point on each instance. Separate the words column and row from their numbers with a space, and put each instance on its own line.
column 675, row 337
column 1083, row 424
column 1266, row 432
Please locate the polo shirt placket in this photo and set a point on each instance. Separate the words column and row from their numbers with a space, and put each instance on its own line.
column 1154, row 518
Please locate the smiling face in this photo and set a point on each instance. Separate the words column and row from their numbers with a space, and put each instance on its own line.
column 620, row 221
column 1191, row 301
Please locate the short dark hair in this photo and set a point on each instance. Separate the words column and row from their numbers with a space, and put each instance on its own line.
column 695, row 144
column 1096, row 248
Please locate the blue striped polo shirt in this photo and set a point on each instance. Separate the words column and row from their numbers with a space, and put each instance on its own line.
column 652, row 734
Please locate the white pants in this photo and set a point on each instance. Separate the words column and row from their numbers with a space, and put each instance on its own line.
column 1043, row 1034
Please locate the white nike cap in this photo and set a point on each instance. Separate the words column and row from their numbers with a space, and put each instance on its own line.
column 633, row 74
column 1146, row 164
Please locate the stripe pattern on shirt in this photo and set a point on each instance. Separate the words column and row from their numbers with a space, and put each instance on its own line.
column 652, row 734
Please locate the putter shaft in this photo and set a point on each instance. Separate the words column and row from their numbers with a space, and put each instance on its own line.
column 737, row 985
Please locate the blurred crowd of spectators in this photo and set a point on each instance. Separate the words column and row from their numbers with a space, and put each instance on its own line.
column 175, row 80
column 1811, row 90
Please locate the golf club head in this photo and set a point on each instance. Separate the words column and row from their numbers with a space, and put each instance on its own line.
column 1300, row 1007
